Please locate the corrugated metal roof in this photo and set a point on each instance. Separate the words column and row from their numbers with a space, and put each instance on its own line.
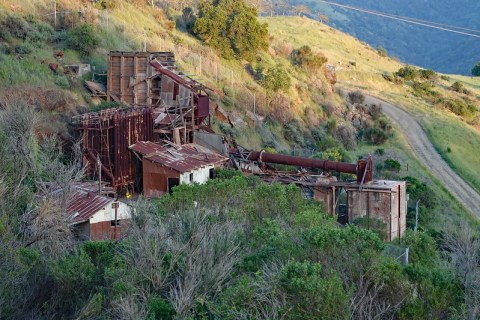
column 83, row 204
column 184, row 158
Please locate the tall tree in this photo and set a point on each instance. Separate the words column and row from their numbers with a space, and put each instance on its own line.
column 231, row 27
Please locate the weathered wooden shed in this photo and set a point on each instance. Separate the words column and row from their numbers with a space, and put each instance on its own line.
column 379, row 199
column 96, row 217
column 164, row 167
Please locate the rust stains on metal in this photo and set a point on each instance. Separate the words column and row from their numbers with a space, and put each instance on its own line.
column 106, row 136
column 363, row 169
column 181, row 158
column 83, row 203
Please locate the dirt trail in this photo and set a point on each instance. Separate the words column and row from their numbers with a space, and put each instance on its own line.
column 427, row 154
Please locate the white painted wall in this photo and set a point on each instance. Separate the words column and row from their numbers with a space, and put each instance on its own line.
column 108, row 213
column 201, row 175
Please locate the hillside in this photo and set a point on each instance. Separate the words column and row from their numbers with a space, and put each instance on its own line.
column 368, row 73
column 435, row 49
column 234, row 247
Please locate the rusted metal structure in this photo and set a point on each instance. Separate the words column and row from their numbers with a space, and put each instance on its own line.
column 167, row 166
column 151, row 79
column 363, row 169
column 382, row 200
column 348, row 201
column 106, row 136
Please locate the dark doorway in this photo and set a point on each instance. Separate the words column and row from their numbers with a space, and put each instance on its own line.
column 172, row 182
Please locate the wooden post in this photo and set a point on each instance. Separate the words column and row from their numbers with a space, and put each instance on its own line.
column 115, row 206
column 55, row 15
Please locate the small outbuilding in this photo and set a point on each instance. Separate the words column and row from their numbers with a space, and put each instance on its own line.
column 166, row 166
column 96, row 217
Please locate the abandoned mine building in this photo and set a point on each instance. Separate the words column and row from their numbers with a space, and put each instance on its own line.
column 160, row 137
column 164, row 167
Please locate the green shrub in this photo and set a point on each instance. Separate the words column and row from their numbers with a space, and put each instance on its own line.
column 24, row 48
column 458, row 87
column 375, row 136
column 419, row 190
column 382, row 52
column 375, row 111
column 14, row 25
column 424, row 89
column 275, row 79
column 159, row 308
column 305, row 58
column 231, row 27
column 356, row 97
column 444, row 77
column 460, row 107
column 407, row 73
column 83, row 39
column 311, row 295
column 377, row 226
column 62, row 82
column 380, row 151
column 393, row 165
column 427, row 74
column 476, row 70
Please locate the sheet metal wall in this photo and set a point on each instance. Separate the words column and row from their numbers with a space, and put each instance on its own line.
column 387, row 205
column 155, row 178
column 108, row 135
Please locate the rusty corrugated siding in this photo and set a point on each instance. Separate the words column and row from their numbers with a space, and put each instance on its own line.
column 83, row 205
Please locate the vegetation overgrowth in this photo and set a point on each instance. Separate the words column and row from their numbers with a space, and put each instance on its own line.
column 246, row 249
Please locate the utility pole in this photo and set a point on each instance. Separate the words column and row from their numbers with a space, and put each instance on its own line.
column 144, row 41
column 99, row 175
column 416, row 216
column 115, row 206
column 55, row 14
column 254, row 111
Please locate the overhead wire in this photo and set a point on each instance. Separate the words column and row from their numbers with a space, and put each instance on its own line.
column 425, row 23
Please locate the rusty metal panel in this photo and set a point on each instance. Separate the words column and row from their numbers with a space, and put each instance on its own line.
column 155, row 178
column 325, row 195
column 105, row 231
column 203, row 110
column 382, row 200
column 107, row 136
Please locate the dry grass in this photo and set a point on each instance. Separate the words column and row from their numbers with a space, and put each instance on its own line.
column 359, row 66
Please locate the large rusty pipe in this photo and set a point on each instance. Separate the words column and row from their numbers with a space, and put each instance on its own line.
column 303, row 162
column 360, row 169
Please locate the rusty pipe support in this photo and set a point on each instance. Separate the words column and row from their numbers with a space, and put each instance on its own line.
column 363, row 169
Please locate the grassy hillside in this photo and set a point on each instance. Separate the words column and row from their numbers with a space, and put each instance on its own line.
column 444, row 128
column 303, row 117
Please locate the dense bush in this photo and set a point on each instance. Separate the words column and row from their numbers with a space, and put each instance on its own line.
column 427, row 74
column 476, row 70
column 392, row 164
column 460, row 107
column 459, row 87
column 407, row 73
column 375, row 111
column 306, row 58
column 424, row 89
column 346, row 135
column 382, row 52
column 275, row 79
column 231, row 27
column 375, row 136
column 83, row 38
column 356, row 97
